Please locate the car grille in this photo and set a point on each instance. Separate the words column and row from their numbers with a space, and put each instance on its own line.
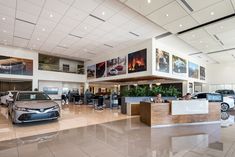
column 38, row 117
column 40, row 110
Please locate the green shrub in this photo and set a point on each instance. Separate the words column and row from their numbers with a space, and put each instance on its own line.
column 146, row 91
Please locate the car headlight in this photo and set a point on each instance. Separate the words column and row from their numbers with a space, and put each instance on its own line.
column 56, row 107
column 20, row 108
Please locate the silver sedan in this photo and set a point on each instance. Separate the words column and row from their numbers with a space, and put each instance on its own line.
column 33, row 106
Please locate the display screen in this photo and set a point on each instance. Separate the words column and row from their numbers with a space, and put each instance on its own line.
column 214, row 97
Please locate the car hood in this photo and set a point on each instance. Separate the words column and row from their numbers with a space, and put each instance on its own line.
column 36, row 104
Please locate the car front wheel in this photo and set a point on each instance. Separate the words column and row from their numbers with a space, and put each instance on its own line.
column 224, row 107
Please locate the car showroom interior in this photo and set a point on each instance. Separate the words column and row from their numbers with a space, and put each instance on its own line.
column 120, row 78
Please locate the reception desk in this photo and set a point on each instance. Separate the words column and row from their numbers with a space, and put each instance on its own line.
column 179, row 112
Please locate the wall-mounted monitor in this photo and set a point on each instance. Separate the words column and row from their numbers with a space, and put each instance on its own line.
column 214, row 97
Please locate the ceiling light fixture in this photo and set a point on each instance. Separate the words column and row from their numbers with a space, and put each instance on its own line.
column 3, row 18
column 51, row 15
column 103, row 13
column 4, row 31
column 212, row 13
column 181, row 25
column 149, row 1
column 85, row 27
column 167, row 15
column 43, row 29
column 158, row 84
column 38, row 39
column 200, row 41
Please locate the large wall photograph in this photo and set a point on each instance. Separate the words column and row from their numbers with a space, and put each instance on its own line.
column 137, row 61
column 193, row 70
column 179, row 65
column 116, row 66
column 202, row 73
column 162, row 61
column 100, row 70
column 91, row 72
column 16, row 66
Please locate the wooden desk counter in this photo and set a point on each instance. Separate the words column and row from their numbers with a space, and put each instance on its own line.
column 157, row 114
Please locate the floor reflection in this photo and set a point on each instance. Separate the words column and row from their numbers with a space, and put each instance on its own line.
column 227, row 119
column 123, row 138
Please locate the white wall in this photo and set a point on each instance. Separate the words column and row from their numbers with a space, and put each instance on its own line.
column 37, row 74
column 221, row 76
column 174, row 46
column 60, row 86
column 146, row 44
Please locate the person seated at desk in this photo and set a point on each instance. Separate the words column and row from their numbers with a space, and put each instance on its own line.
column 188, row 96
column 158, row 98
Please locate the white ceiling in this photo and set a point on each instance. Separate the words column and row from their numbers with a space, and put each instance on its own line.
column 174, row 16
column 55, row 26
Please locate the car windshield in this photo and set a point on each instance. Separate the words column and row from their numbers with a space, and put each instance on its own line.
column 32, row 96
column 225, row 91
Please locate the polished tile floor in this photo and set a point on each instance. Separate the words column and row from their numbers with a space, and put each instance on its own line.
column 73, row 116
column 126, row 138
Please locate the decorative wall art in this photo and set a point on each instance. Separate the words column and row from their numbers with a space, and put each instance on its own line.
column 137, row 61
column 162, row 61
column 116, row 66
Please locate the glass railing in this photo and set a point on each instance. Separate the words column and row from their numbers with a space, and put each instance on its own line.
column 57, row 68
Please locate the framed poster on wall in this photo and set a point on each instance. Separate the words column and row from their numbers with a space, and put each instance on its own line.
column 116, row 66
column 100, row 70
column 91, row 71
column 202, row 73
column 137, row 61
column 179, row 65
column 162, row 61
column 193, row 70
column 16, row 66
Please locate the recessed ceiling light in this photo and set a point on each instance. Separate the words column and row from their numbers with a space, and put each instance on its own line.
column 200, row 41
column 167, row 15
column 38, row 39
column 4, row 31
column 149, row 1
column 212, row 13
column 43, row 29
column 103, row 13
column 3, row 18
column 51, row 15
column 85, row 27
column 181, row 25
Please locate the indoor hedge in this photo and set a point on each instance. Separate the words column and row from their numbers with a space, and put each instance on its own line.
column 139, row 91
